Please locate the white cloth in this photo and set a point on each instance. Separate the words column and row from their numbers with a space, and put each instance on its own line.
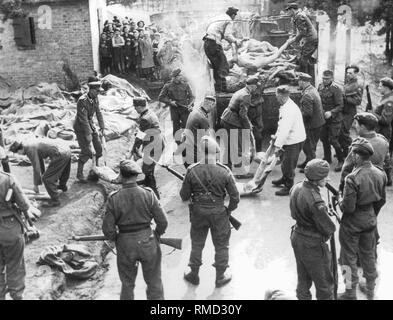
column 221, row 28
column 290, row 125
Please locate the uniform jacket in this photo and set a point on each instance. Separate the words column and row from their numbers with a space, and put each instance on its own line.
column 39, row 149
column 290, row 125
column 219, row 181
column 132, row 206
column 197, row 120
column 332, row 100
column 305, row 28
column 85, row 110
column 311, row 108
column 353, row 94
column 255, row 116
column 309, row 210
column 384, row 113
column 236, row 113
column 364, row 195
column 7, row 182
column 149, row 124
column 179, row 92
column 380, row 158
column 221, row 28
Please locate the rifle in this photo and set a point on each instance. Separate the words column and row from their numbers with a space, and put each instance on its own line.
column 369, row 106
column 332, row 205
column 171, row 242
column 30, row 232
column 234, row 222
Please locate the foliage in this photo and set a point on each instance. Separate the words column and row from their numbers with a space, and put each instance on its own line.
column 11, row 9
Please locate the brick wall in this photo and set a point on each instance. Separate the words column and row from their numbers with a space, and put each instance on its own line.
column 68, row 40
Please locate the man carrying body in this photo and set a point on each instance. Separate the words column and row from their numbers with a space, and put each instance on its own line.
column 197, row 126
column 206, row 183
column 58, row 170
column 332, row 103
column 313, row 228
column 234, row 120
column 217, row 31
column 152, row 142
column 353, row 94
column 364, row 195
column 307, row 35
column 85, row 129
column 289, row 139
column 255, row 116
column 12, row 242
column 131, row 210
column 178, row 96
column 313, row 117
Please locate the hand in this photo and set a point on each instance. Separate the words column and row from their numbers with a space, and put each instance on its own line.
column 33, row 213
column 278, row 152
column 328, row 115
column 173, row 103
column 273, row 137
column 36, row 189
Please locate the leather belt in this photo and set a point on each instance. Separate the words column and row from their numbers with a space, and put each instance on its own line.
column 133, row 228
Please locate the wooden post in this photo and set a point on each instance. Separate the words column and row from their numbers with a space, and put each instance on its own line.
column 345, row 9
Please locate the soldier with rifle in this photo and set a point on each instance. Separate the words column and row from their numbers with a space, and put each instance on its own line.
column 131, row 210
column 312, row 230
column 206, row 184
column 177, row 94
column 364, row 195
column 12, row 242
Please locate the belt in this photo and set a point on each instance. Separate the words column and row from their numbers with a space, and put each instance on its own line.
column 307, row 232
column 133, row 228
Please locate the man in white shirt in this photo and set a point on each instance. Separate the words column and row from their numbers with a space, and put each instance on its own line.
column 289, row 139
column 221, row 28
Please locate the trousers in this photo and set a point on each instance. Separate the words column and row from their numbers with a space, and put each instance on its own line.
column 84, row 140
column 59, row 169
column 289, row 163
column 310, row 145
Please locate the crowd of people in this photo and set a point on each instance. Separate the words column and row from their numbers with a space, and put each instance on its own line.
column 129, row 47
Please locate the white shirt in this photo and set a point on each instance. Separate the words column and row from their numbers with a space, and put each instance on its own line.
column 221, row 28
column 290, row 125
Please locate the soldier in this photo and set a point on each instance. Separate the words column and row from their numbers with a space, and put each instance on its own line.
column 384, row 111
column 332, row 103
column 307, row 35
column 178, row 96
column 313, row 117
column 313, row 228
column 289, row 139
column 366, row 124
column 12, row 243
column 235, row 119
column 353, row 94
column 255, row 116
column 85, row 129
column 206, row 183
column 217, row 31
column 364, row 195
column 152, row 142
column 197, row 126
column 3, row 154
column 58, row 170
column 131, row 210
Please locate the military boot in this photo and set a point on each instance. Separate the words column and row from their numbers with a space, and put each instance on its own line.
column 327, row 153
column 349, row 294
column 79, row 175
column 279, row 182
column 150, row 181
column 192, row 276
column 303, row 165
column 222, row 277
column 368, row 289
column 389, row 175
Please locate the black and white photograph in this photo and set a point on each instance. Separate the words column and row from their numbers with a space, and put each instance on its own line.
column 204, row 152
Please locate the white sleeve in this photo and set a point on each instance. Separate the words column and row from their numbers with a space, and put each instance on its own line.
column 284, row 127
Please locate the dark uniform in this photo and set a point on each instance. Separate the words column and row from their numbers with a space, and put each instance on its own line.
column 208, row 210
column 58, row 169
column 353, row 94
column 364, row 195
column 153, row 146
column 197, row 121
column 255, row 116
column 131, row 209
column 235, row 118
column 313, row 228
column 180, row 93
column 309, row 35
column 12, row 243
column 85, row 129
column 332, row 100
column 313, row 117
column 384, row 113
